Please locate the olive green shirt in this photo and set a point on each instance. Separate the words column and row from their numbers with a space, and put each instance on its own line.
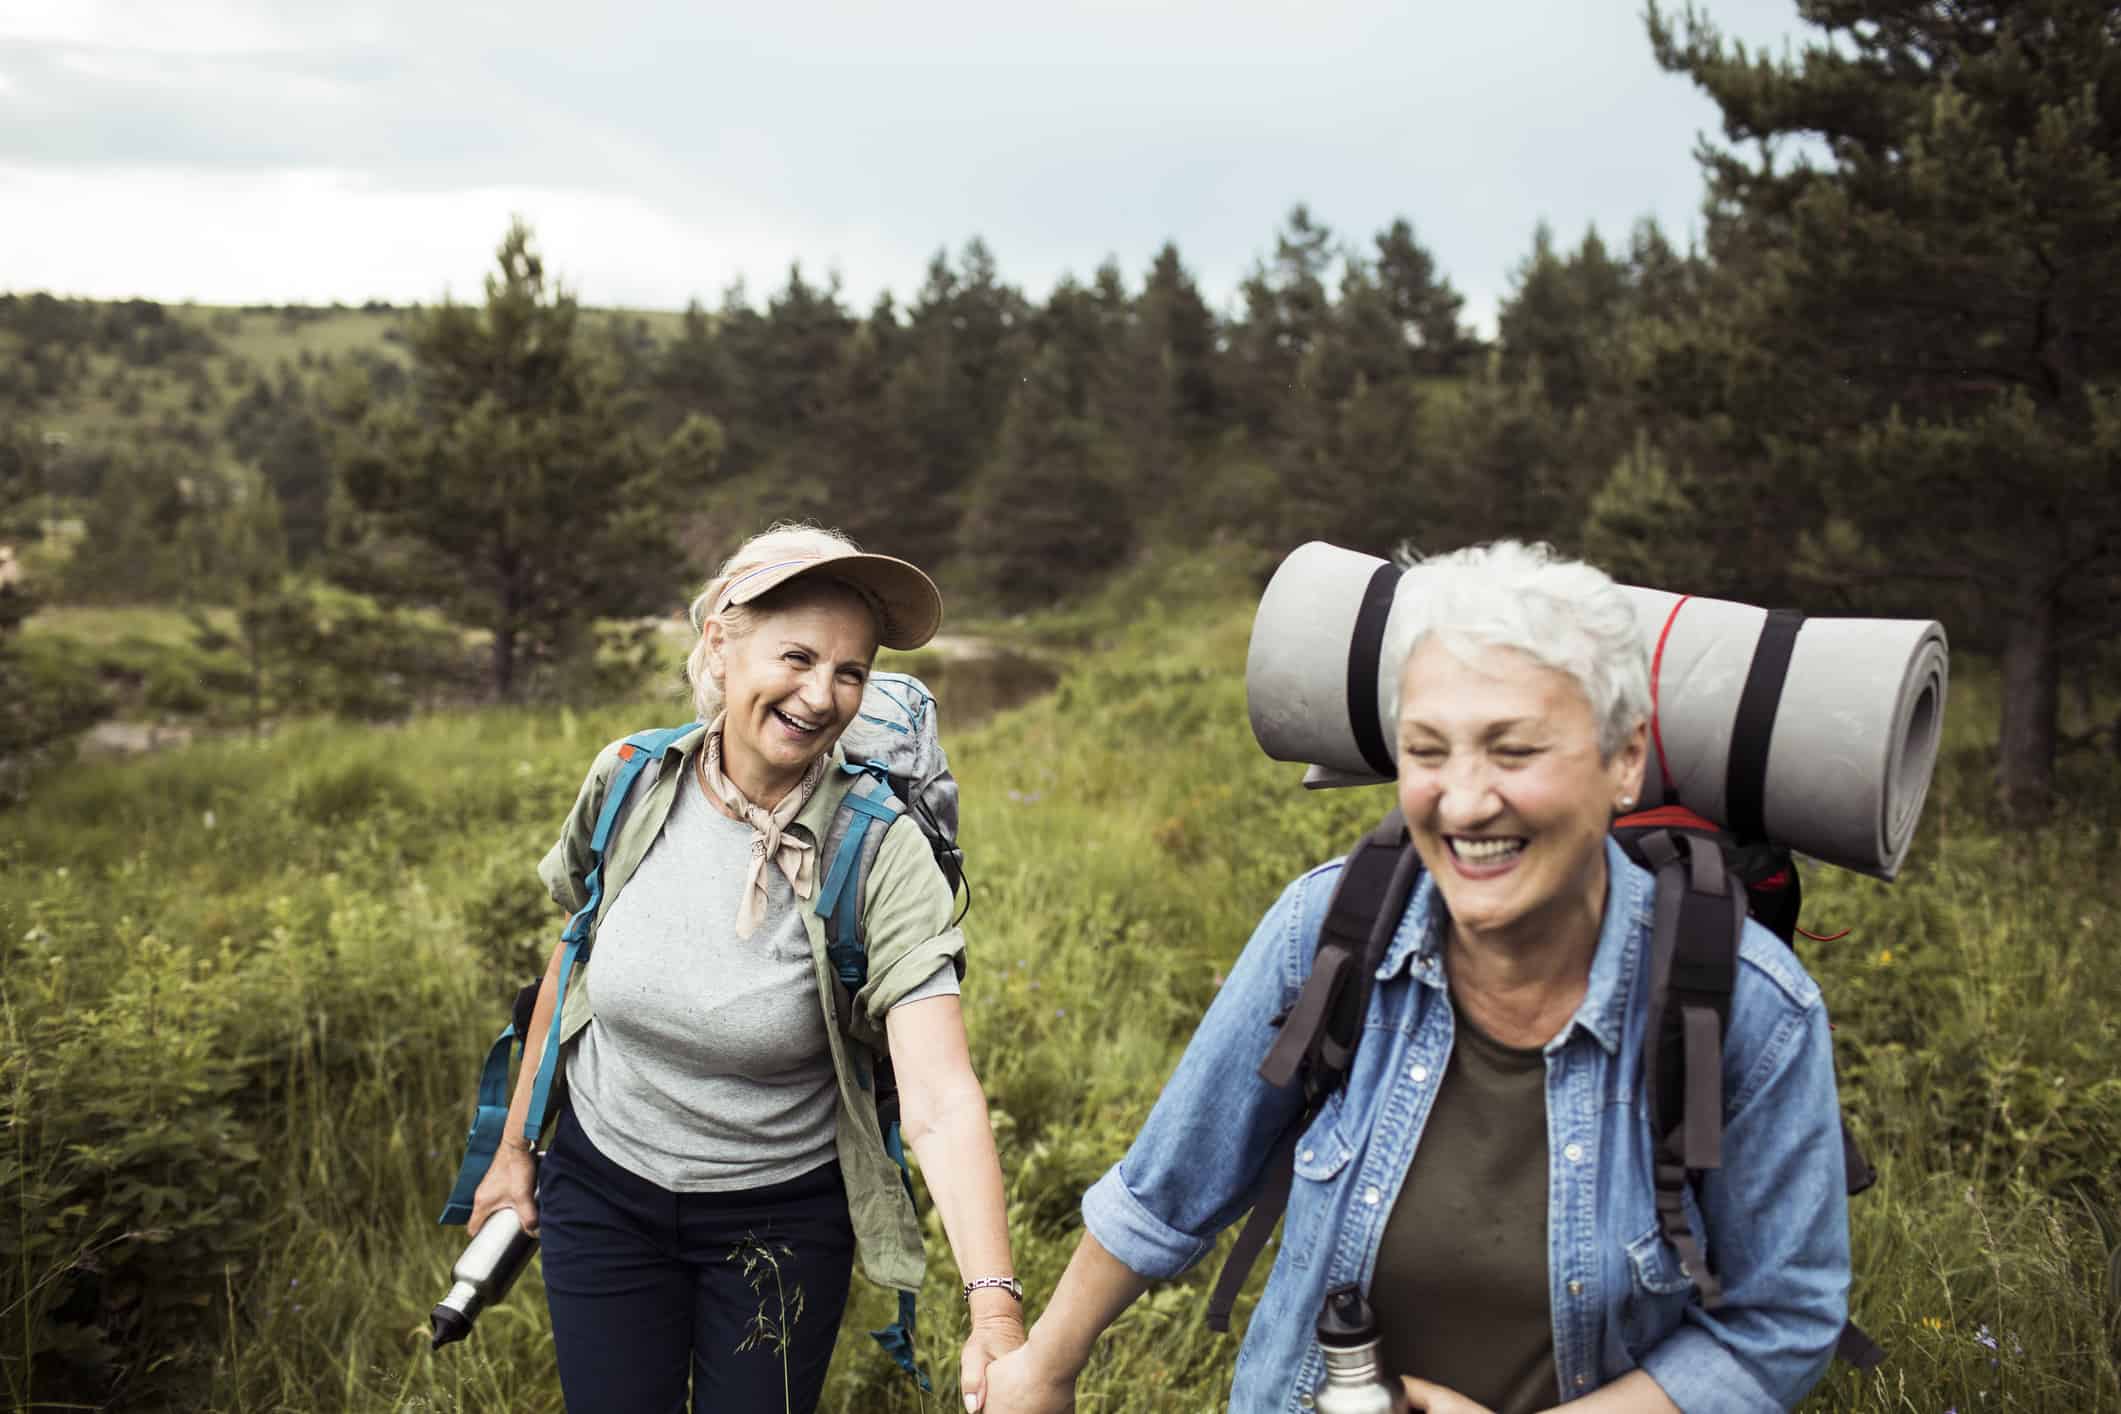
column 1461, row 1285
column 906, row 910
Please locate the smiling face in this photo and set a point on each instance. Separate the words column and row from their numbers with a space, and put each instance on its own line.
column 790, row 685
column 1506, row 795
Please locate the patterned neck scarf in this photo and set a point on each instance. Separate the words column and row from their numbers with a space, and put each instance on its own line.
column 797, row 858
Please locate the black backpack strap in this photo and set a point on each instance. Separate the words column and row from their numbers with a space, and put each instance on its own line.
column 1745, row 771
column 1693, row 966
column 1857, row 1348
column 1319, row 1034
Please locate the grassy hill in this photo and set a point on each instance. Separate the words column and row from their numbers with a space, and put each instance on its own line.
column 244, row 990
column 202, row 357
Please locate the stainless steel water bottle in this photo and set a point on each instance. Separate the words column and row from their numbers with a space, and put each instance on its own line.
column 1347, row 1335
column 482, row 1276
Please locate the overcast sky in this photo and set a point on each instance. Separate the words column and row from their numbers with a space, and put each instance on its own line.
column 237, row 151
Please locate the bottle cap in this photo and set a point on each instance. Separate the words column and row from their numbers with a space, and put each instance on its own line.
column 1346, row 1320
column 449, row 1324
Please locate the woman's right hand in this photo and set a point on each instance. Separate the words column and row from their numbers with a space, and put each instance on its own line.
column 1025, row 1382
column 511, row 1182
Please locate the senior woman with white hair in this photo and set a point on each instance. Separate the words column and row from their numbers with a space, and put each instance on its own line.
column 718, row 1167
column 1485, row 1174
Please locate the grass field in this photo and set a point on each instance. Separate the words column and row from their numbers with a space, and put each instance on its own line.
column 245, row 988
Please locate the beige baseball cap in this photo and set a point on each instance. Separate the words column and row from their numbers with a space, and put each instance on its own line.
column 908, row 606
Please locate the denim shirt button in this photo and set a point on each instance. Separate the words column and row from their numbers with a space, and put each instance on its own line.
column 1574, row 1153
column 1582, row 1379
column 1307, row 1156
column 1575, row 1288
column 1418, row 1074
column 1305, row 1400
column 1369, row 1196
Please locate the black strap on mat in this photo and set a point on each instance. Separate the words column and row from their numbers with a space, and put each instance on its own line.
column 1319, row 1034
column 1745, row 773
column 1365, row 661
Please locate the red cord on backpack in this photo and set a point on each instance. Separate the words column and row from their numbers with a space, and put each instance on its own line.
column 1664, row 770
column 1826, row 937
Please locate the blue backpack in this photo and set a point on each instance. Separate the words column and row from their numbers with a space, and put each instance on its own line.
column 894, row 747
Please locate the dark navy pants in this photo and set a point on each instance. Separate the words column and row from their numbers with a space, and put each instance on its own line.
column 647, row 1286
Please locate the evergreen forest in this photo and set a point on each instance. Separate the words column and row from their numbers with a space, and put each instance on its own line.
column 311, row 618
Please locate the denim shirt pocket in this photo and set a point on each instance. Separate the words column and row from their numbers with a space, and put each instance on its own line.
column 1322, row 1150
column 1658, row 1292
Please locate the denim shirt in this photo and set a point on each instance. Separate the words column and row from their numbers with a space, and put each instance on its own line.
column 1776, row 1213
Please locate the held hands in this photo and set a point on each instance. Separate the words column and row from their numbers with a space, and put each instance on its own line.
column 1026, row 1382
column 510, row 1182
column 994, row 1335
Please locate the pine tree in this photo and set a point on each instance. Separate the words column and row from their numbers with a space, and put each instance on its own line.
column 1047, row 515
column 1921, row 325
column 516, row 476
column 1426, row 305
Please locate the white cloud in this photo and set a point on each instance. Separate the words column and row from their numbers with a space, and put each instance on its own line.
column 209, row 27
column 295, row 151
column 220, row 237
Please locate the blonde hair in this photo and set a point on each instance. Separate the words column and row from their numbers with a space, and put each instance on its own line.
column 780, row 541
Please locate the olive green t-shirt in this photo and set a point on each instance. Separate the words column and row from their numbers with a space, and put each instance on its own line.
column 1461, row 1289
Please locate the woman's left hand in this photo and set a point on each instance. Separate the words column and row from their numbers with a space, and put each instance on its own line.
column 1435, row 1399
column 992, row 1337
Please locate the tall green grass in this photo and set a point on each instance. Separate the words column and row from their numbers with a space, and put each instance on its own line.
column 245, row 989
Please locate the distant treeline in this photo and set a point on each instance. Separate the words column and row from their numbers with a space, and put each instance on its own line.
column 1888, row 380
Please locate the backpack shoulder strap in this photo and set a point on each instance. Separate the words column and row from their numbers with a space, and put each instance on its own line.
column 636, row 752
column 1693, row 968
column 849, row 850
column 491, row 1115
column 1699, row 919
column 1320, row 1033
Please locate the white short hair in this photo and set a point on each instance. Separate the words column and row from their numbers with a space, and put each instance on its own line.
column 1562, row 613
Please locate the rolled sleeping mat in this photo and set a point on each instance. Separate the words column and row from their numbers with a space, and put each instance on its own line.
column 1819, row 734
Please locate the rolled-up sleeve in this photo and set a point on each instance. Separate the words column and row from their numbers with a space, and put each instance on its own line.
column 1777, row 1215
column 1201, row 1156
column 565, row 867
column 906, row 908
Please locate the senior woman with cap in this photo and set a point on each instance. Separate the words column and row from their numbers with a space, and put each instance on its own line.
column 718, row 1167
column 1485, row 1175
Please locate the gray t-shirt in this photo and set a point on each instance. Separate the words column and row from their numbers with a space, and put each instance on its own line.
column 706, row 1067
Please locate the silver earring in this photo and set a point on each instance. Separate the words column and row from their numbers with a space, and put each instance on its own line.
column 1627, row 802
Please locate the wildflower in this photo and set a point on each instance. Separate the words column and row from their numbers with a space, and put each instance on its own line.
column 1982, row 1337
column 1885, row 957
column 1933, row 1323
column 1060, row 1011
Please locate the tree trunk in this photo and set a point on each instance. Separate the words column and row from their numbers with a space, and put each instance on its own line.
column 2025, row 769
column 507, row 620
column 504, row 659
